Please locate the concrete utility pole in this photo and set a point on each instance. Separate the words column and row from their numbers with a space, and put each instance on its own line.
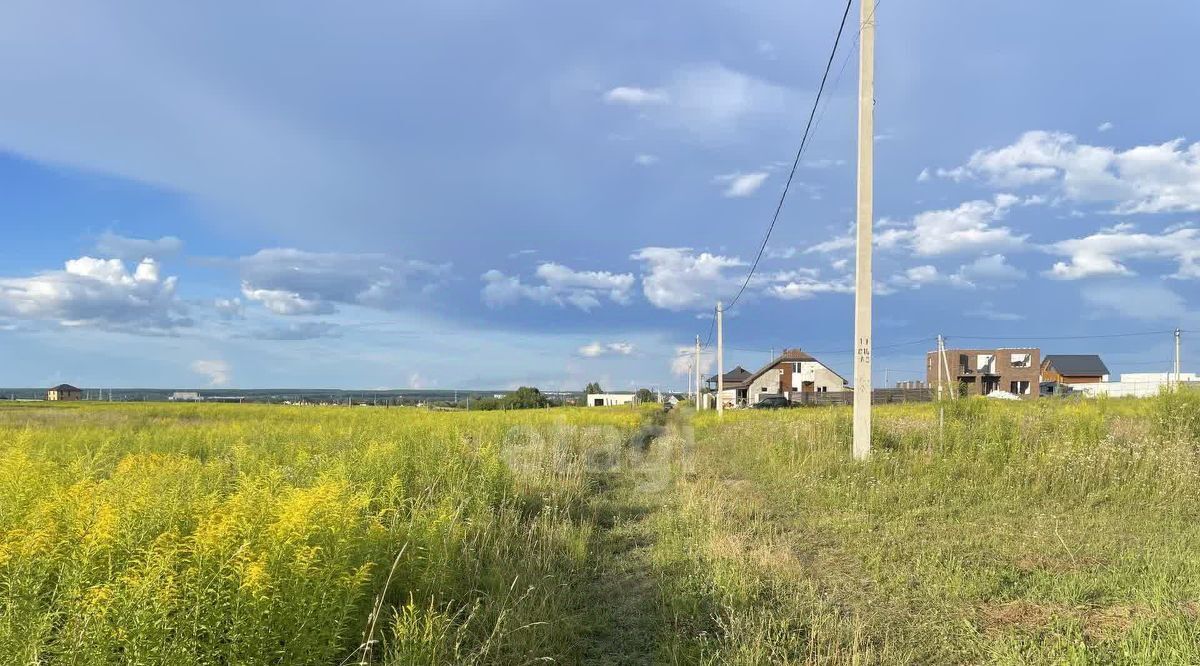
column 1177, row 368
column 697, row 373
column 720, row 360
column 862, row 272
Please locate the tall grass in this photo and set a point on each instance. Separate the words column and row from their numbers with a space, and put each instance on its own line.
column 262, row 535
column 979, row 532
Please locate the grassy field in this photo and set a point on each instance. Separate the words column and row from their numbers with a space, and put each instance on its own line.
column 1049, row 532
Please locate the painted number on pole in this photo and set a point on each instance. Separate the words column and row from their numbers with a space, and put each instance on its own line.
column 864, row 350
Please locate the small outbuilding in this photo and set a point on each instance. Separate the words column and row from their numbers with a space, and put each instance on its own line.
column 63, row 392
column 609, row 399
column 1074, row 369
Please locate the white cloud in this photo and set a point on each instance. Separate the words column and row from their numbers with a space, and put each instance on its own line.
column 634, row 96
column 97, row 292
column 416, row 381
column 1104, row 252
column 824, row 163
column 988, row 270
column 741, row 184
column 965, row 229
column 923, row 176
column 645, row 159
column 1105, row 126
column 111, row 245
column 559, row 285
column 676, row 279
column 284, row 302
column 290, row 282
column 596, row 349
column 801, row 287
column 1145, row 300
column 217, row 372
column 709, row 100
column 1144, row 179
column 229, row 308
column 773, row 252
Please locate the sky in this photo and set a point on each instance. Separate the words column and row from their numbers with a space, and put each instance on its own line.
column 490, row 194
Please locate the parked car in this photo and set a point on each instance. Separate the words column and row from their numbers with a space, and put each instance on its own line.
column 773, row 402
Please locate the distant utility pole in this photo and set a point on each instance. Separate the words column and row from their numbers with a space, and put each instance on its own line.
column 720, row 360
column 697, row 373
column 862, row 273
column 1177, row 367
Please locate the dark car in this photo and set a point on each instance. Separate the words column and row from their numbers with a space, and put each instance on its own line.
column 773, row 402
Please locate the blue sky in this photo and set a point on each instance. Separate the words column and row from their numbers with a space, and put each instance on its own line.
column 486, row 194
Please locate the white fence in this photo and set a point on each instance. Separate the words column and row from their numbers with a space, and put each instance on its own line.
column 1127, row 389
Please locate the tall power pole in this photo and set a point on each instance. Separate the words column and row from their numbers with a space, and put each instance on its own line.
column 1177, row 368
column 697, row 373
column 862, row 272
column 720, row 360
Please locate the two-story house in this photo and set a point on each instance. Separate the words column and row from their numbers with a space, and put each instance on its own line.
column 981, row 371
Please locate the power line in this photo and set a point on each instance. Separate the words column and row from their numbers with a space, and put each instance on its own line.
column 1060, row 337
column 796, row 162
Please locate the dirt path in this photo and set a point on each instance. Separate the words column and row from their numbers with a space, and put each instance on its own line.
column 626, row 621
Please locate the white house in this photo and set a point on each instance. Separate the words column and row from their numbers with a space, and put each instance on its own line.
column 792, row 374
column 609, row 399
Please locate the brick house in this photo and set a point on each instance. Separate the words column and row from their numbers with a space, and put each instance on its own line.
column 981, row 371
column 63, row 392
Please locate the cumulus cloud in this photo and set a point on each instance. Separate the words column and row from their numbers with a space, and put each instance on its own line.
column 1155, row 178
column 741, row 184
column 1105, row 126
column 675, row 278
column 1106, row 252
column 284, row 302
column 635, row 96
column 293, row 282
column 966, row 229
column 645, row 159
column 989, row 269
column 115, row 246
column 229, row 308
column 97, row 292
column 558, row 285
column 217, row 372
column 801, row 287
column 596, row 349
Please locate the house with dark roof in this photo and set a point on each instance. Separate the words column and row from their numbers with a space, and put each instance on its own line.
column 735, row 377
column 1074, row 369
column 63, row 392
column 791, row 373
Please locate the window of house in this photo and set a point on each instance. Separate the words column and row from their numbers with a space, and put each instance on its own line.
column 1020, row 360
column 1019, row 387
column 984, row 363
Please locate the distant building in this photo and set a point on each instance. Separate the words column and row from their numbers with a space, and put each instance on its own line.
column 185, row 396
column 1136, row 385
column 791, row 374
column 609, row 399
column 981, row 371
column 63, row 392
column 1074, row 369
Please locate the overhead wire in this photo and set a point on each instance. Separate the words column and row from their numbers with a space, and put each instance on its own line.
column 799, row 152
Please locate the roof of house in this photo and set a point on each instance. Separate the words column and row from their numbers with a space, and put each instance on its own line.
column 789, row 355
column 735, row 376
column 1076, row 365
column 64, row 387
